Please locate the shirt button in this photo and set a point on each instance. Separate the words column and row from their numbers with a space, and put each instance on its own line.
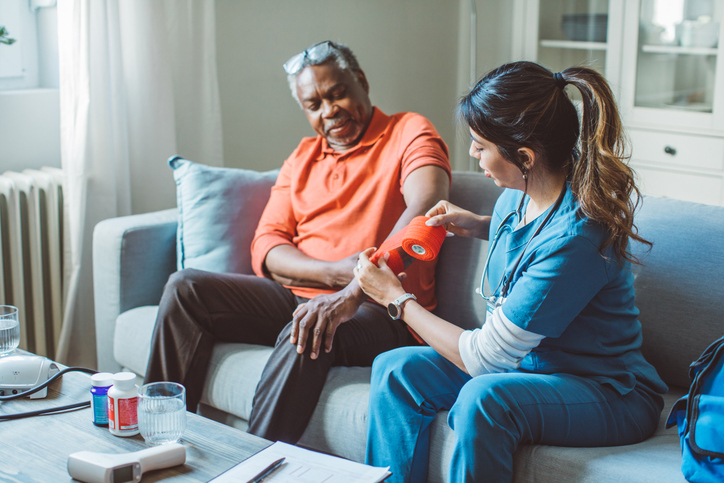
column 335, row 176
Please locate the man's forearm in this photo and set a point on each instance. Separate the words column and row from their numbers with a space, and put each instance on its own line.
column 290, row 266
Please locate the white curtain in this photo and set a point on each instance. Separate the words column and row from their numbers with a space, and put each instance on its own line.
column 138, row 84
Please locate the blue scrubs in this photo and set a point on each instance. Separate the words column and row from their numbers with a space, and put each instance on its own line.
column 587, row 373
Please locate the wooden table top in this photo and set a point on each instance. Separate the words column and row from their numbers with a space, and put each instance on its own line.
column 36, row 449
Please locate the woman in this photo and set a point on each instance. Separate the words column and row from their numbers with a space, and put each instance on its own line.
column 557, row 361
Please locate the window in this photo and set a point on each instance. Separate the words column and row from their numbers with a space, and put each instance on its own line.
column 32, row 61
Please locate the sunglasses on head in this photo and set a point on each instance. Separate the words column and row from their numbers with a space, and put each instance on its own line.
column 315, row 53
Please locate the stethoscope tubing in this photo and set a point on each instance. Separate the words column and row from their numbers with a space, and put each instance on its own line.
column 498, row 232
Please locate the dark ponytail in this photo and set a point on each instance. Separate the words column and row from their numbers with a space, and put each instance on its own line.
column 523, row 104
column 602, row 179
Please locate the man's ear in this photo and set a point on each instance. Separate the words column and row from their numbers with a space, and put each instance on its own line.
column 527, row 158
column 362, row 79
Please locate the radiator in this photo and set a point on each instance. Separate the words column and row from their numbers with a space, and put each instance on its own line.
column 31, row 254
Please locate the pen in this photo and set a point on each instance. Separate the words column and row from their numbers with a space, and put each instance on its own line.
column 267, row 471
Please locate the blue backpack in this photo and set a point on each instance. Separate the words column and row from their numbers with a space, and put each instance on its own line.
column 700, row 418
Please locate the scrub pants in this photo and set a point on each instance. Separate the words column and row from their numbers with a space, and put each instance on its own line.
column 199, row 309
column 491, row 415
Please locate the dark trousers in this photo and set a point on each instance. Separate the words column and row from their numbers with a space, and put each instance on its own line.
column 199, row 308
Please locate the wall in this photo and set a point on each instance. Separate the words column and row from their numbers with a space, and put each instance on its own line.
column 493, row 47
column 407, row 48
column 30, row 113
column 29, row 129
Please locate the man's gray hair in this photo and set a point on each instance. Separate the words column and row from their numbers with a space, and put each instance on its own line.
column 338, row 53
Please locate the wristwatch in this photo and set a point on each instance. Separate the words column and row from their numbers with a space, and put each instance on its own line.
column 394, row 308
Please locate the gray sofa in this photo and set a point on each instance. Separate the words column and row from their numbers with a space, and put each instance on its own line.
column 679, row 292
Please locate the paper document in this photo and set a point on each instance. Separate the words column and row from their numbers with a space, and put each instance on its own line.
column 302, row 465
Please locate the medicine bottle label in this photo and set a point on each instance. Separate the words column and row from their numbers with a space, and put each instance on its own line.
column 127, row 414
column 122, row 413
column 99, row 406
column 111, row 413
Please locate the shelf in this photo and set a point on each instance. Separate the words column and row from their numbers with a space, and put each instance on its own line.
column 572, row 44
column 675, row 49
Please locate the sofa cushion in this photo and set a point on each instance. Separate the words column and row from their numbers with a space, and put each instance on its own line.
column 218, row 210
column 679, row 287
column 132, row 339
column 461, row 260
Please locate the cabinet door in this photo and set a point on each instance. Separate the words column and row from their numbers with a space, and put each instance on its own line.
column 678, row 185
column 681, row 166
column 671, row 65
column 564, row 33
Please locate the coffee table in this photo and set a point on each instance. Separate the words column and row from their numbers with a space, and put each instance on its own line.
column 36, row 449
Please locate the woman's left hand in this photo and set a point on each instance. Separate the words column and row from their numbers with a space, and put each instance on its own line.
column 379, row 283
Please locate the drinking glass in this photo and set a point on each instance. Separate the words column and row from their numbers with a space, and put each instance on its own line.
column 161, row 412
column 9, row 329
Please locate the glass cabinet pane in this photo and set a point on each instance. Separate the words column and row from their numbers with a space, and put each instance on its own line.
column 573, row 32
column 678, row 48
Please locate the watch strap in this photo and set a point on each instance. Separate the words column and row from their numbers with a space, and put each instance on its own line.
column 400, row 302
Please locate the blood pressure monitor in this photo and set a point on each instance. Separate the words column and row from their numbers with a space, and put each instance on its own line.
column 125, row 467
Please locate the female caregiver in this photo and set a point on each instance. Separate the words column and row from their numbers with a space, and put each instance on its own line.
column 557, row 361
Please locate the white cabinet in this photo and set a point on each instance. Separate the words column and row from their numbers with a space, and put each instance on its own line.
column 663, row 60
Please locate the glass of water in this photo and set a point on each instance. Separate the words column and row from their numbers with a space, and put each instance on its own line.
column 9, row 329
column 161, row 412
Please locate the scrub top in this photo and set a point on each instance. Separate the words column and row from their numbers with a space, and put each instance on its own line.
column 565, row 290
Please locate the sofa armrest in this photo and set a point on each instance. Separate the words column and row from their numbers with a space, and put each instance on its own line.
column 133, row 257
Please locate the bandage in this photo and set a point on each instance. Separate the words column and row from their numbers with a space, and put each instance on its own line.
column 417, row 240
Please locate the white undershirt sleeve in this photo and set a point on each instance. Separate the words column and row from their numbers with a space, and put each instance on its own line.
column 498, row 346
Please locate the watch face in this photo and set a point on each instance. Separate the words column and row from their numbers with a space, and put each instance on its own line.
column 393, row 310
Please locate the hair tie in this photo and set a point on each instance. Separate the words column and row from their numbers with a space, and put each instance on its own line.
column 559, row 80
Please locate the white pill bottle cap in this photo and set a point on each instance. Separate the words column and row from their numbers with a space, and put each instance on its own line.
column 124, row 380
column 102, row 379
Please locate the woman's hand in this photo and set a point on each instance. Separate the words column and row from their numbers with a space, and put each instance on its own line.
column 458, row 221
column 379, row 283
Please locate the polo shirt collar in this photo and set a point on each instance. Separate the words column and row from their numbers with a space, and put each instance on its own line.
column 374, row 131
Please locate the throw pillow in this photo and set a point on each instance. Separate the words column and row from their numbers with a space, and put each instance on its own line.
column 218, row 211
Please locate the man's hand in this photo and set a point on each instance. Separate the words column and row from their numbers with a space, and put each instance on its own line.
column 343, row 274
column 320, row 317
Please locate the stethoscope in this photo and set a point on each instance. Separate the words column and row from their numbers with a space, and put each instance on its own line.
column 492, row 300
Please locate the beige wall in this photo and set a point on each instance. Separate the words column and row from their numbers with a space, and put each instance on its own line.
column 407, row 48
column 493, row 48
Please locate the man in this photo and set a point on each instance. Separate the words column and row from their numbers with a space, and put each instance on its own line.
column 363, row 178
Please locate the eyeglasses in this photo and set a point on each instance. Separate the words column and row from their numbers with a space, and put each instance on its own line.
column 315, row 53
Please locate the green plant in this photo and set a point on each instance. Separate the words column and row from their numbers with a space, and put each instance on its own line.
column 4, row 39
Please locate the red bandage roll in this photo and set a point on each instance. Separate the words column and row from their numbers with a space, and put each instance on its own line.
column 421, row 241
column 417, row 239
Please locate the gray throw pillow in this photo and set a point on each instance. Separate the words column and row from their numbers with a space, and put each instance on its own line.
column 218, row 209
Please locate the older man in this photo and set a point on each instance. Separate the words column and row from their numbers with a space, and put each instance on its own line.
column 364, row 177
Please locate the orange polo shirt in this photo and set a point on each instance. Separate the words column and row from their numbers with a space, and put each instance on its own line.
column 331, row 205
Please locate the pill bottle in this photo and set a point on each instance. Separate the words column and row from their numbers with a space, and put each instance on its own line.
column 101, row 382
column 123, row 404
